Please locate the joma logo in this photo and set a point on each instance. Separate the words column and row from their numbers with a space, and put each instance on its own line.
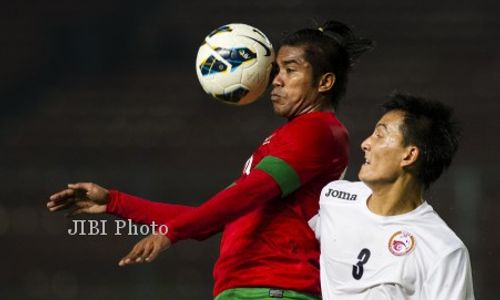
column 341, row 194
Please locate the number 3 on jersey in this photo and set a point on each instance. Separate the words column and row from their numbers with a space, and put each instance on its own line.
column 357, row 269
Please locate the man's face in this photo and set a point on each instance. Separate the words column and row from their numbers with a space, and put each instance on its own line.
column 384, row 151
column 294, row 91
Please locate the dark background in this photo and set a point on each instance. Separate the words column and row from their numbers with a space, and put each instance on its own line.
column 106, row 91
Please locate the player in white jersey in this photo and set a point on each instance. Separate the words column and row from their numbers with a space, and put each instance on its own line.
column 379, row 238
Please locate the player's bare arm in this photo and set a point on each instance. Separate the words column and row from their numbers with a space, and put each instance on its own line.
column 146, row 250
column 82, row 197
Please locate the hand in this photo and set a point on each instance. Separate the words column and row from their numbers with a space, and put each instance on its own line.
column 80, row 198
column 146, row 250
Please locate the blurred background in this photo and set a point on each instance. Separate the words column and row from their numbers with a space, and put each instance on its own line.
column 106, row 91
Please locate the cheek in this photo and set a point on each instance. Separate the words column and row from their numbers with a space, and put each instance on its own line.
column 297, row 86
column 389, row 164
column 385, row 159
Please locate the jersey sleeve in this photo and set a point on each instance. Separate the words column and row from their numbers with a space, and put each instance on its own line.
column 141, row 210
column 146, row 212
column 302, row 152
column 451, row 278
column 248, row 193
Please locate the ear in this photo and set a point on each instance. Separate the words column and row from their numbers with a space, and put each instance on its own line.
column 410, row 156
column 326, row 82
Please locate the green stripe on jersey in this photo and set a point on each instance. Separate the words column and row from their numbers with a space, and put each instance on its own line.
column 283, row 173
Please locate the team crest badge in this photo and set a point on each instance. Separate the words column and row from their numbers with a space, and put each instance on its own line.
column 401, row 243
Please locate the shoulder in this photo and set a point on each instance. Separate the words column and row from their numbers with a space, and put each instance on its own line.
column 312, row 136
column 451, row 262
column 435, row 234
column 449, row 277
column 345, row 190
column 314, row 126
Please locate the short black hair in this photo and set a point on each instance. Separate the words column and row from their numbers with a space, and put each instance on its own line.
column 333, row 47
column 431, row 127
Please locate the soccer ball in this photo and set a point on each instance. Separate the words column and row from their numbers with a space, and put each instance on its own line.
column 234, row 63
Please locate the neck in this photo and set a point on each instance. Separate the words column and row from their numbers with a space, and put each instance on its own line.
column 395, row 198
column 322, row 105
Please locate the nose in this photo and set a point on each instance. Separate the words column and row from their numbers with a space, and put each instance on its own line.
column 365, row 145
column 277, row 80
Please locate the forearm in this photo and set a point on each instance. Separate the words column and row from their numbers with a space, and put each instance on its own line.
column 226, row 206
column 141, row 210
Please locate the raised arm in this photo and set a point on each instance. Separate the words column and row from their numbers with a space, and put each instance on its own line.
column 295, row 157
column 296, row 160
column 90, row 198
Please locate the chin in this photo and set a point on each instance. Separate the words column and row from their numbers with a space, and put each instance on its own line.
column 361, row 174
column 279, row 113
column 361, row 177
column 364, row 179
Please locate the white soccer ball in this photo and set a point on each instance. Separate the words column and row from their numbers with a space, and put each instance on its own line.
column 234, row 63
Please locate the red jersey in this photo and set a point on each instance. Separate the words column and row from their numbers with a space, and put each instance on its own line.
column 266, row 240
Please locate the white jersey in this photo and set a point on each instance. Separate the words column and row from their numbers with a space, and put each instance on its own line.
column 368, row 256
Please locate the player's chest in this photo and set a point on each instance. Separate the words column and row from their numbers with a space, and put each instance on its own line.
column 261, row 152
column 365, row 252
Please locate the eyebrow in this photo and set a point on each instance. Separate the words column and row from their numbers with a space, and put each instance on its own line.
column 291, row 61
column 381, row 125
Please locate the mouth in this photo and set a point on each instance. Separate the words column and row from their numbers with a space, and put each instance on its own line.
column 367, row 162
column 275, row 94
column 275, row 97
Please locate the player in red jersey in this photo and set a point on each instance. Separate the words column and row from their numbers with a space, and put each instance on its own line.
column 267, row 248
